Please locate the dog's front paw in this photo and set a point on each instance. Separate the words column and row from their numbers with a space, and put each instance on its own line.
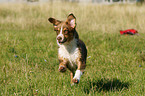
column 76, row 81
column 62, row 69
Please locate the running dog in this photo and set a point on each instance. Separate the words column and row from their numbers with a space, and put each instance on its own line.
column 72, row 52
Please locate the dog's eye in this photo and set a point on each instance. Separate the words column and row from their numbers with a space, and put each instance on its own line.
column 65, row 32
column 55, row 29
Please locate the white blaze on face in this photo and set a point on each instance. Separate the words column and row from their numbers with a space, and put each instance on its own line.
column 60, row 34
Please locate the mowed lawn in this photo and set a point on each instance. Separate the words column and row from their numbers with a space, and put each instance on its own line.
column 28, row 50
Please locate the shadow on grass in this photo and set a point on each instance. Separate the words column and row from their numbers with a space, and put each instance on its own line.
column 105, row 85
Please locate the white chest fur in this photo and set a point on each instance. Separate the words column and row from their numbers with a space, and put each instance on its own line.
column 69, row 51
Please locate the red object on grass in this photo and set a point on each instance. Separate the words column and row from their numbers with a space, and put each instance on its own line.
column 129, row 31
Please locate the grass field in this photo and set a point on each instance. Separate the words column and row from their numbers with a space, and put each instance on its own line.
column 28, row 50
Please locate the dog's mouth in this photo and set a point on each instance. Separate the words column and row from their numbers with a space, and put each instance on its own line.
column 63, row 41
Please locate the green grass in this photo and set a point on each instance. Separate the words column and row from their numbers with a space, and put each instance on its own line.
column 28, row 56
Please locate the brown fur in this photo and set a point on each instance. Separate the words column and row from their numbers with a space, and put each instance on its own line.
column 69, row 32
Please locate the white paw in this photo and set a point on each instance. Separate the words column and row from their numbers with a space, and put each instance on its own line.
column 78, row 75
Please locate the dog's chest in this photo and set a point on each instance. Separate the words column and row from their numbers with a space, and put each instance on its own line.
column 71, row 53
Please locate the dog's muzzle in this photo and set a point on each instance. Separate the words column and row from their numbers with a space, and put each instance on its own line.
column 61, row 40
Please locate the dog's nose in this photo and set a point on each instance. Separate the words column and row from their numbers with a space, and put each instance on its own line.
column 59, row 38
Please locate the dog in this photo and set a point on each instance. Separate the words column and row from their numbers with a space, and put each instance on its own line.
column 72, row 52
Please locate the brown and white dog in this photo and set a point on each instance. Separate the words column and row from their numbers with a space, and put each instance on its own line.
column 72, row 52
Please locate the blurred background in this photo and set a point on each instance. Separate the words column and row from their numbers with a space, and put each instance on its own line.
column 78, row 1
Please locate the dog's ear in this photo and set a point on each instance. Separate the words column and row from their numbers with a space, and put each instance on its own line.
column 54, row 21
column 71, row 20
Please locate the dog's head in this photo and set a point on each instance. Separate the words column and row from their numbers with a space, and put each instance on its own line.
column 64, row 29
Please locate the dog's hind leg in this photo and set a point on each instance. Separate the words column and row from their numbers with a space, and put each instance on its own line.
column 71, row 76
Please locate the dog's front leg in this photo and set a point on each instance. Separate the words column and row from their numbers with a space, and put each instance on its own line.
column 62, row 65
column 79, row 71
